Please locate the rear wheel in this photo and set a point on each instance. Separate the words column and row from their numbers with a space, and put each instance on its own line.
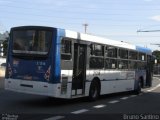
column 138, row 90
column 94, row 91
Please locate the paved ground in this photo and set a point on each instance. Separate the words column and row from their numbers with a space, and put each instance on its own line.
column 34, row 107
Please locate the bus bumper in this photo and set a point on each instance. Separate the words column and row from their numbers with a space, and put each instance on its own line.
column 33, row 87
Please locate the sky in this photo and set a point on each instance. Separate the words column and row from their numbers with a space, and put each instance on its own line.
column 113, row 19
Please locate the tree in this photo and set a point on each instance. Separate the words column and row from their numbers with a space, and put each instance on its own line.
column 5, row 47
column 4, row 43
column 157, row 54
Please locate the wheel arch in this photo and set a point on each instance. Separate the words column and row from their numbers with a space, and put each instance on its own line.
column 94, row 89
column 141, row 79
column 96, row 79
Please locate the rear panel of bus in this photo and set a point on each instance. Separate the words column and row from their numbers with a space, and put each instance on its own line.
column 32, row 65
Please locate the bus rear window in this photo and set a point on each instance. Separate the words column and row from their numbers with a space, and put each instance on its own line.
column 31, row 41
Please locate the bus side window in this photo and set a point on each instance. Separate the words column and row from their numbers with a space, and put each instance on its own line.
column 133, row 55
column 110, row 63
column 97, row 50
column 96, row 63
column 111, row 52
column 66, row 46
column 123, row 53
column 132, row 65
column 142, row 65
column 123, row 64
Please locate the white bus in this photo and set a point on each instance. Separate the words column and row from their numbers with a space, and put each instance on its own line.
column 65, row 64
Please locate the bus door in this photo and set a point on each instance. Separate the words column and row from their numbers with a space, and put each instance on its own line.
column 149, row 68
column 79, row 69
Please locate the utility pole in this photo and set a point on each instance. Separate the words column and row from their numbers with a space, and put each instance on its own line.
column 85, row 27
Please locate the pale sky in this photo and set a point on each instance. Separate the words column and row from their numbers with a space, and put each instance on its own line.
column 113, row 19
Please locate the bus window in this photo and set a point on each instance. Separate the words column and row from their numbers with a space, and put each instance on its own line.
column 111, row 52
column 122, row 64
column 132, row 65
column 141, row 65
column 97, row 50
column 66, row 46
column 133, row 55
column 96, row 63
column 31, row 41
column 110, row 63
column 123, row 53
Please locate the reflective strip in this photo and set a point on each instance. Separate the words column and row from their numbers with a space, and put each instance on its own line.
column 124, row 98
column 99, row 106
column 80, row 111
column 114, row 101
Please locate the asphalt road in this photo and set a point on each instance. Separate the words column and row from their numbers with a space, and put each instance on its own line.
column 116, row 106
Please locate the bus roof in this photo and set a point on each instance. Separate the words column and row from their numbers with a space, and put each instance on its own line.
column 143, row 49
column 101, row 40
column 92, row 38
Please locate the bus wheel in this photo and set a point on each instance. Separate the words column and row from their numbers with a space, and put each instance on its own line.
column 94, row 91
column 138, row 90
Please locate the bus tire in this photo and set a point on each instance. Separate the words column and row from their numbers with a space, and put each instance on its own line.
column 94, row 91
column 139, row 86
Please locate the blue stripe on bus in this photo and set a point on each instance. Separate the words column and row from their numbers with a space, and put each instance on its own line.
column 144, row 50
column 57, row 43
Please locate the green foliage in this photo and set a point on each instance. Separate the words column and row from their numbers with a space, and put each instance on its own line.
column 157, row 55
column 5, row 47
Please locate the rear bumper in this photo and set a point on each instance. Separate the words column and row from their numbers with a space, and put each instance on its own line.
column 33, row 87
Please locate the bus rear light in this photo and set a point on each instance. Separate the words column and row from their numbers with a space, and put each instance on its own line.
column 47, row 74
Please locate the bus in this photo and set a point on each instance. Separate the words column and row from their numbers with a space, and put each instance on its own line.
column 65, row 64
